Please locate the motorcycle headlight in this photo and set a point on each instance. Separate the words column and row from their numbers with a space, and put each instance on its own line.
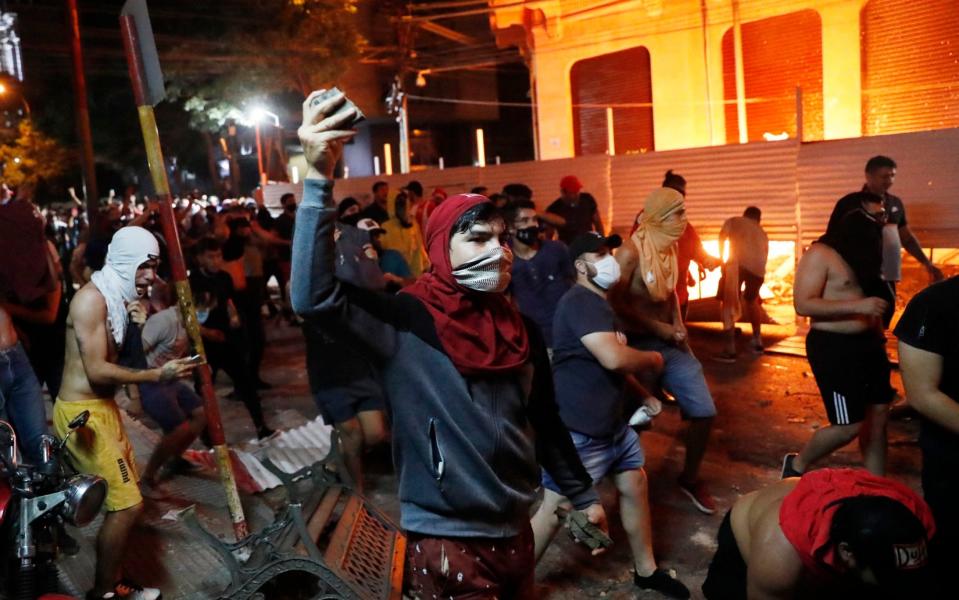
column 85, row 496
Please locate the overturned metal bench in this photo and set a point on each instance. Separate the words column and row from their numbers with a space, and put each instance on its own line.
column 364, row 557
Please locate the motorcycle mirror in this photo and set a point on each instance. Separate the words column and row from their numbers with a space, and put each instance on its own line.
column 80, row 420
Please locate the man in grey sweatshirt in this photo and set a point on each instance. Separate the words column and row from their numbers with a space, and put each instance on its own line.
column 468, row 381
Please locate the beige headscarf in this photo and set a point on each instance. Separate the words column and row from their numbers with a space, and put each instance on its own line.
column 656, row 242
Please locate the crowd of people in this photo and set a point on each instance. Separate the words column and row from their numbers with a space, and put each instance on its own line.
column 500, row 349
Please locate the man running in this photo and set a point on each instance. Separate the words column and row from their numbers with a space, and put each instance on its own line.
column 645, row 300
column 96, row 328
column 838, row 285
column 835, row 533
column 592, row 366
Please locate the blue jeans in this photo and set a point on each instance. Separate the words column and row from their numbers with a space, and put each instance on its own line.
column 602, row 457
column 682, row 377
column 21, row 401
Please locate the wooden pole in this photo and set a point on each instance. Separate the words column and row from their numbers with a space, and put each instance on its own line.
column 151, row 141
column 90, row 194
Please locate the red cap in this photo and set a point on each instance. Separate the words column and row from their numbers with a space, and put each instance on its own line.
column 571, row 184
column 440, row 192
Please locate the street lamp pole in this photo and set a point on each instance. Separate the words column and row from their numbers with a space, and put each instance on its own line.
column 259, row 154
column 257, row 116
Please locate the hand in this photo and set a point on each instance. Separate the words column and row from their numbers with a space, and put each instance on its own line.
column 597, row 516
column 872, row 307
column 935, row 273
column 678, row 334
column 321, row 135
column 392, row 278
column 137, row 312
column 178, row 368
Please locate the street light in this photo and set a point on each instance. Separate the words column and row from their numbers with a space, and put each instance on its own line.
column 3, row 92
column 256, row 115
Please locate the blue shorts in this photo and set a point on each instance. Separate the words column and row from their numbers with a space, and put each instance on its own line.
column 682, row 377
column 169, row 404
column 605, row 456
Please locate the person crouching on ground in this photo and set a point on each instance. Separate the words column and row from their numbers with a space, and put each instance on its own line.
column 469, row 384
column 834, row 534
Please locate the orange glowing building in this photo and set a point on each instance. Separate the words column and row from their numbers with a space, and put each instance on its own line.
column 692, row 73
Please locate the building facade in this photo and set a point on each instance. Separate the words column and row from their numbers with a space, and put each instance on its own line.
column 644, row 75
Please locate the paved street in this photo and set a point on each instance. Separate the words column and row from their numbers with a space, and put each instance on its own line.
column 767, row 405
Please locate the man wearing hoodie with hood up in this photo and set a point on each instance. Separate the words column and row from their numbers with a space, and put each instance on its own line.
column 469, row 383
column 100, row 313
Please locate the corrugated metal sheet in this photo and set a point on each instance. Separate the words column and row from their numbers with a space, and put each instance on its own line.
column 926, row 180
column 779, row 54
column 722, row 182
column 910, row 65
column 618, row 78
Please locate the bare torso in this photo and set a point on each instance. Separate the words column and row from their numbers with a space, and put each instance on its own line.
column 76, row 385
column 755, row 508
column 840, row 284
column 639, row 295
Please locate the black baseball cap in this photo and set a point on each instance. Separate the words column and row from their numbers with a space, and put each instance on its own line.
column 592, row 241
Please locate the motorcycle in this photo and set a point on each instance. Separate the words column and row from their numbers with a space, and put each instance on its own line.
column 35, row 502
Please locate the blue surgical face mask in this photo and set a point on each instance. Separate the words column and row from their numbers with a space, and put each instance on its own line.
column 201, row 315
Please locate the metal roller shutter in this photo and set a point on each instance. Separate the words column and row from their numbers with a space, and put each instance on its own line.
column 910, row 66
column 779, row 54
column 617, row 78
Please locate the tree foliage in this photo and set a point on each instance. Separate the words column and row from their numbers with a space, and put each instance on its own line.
column 297, row 46
column 32, row 157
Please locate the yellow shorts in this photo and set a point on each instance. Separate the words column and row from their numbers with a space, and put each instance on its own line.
column 101, row 448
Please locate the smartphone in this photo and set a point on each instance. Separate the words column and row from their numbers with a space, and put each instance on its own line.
column 196, row 359
column 347, row 105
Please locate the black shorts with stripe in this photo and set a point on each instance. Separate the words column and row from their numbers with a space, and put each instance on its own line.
column 852, row 372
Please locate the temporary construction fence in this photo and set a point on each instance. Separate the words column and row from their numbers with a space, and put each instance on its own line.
column 795, row 184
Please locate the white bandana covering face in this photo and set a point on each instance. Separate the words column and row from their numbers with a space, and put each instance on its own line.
column 488, row 272
column 130, row 248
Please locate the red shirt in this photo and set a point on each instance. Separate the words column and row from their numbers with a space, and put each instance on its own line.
column 806, row 512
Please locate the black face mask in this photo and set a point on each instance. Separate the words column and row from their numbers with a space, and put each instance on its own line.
column 528, row 235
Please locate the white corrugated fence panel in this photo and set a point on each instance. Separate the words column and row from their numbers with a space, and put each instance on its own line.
column 721, row 182
column 927, row 180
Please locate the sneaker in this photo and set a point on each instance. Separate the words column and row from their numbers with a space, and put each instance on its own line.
column 127, row 590
column 699, row 494
column 788, row 469
column 757, row 347
column 725, row 357
column 663, row 582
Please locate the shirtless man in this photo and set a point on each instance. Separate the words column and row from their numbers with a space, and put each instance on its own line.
column 96, row 327
column 645, row 300
column 835, row 533
column 838, row 285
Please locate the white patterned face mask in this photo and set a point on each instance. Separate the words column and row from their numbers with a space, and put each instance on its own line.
column 488, row 272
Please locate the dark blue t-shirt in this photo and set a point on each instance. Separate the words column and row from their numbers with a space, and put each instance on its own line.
column 540, row 282
column 590, row 397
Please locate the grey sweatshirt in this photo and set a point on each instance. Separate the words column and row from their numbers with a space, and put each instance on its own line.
column 467, row 450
